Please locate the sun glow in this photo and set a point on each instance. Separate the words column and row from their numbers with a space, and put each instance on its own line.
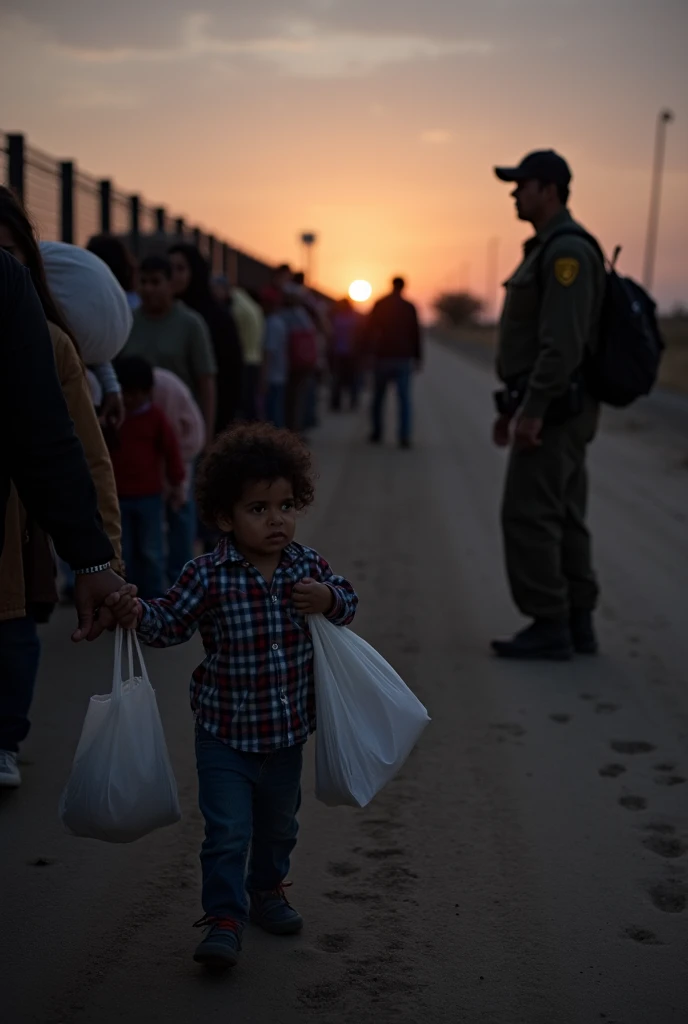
column 360, row 291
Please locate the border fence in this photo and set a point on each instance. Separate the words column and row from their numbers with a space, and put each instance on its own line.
column 69, row 205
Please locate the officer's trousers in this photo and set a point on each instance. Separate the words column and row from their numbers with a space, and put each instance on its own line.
column 547, row 544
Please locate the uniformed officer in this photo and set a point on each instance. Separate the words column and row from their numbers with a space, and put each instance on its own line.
column 551, row 317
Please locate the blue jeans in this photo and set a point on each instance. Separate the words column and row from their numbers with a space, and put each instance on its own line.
column 249, row 803
column 142, row 543
column 20, row 652
column 399, row 372
column 181, row 534
column 275, row 404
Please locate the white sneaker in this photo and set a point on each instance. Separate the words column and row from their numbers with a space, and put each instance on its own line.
column 10, row 776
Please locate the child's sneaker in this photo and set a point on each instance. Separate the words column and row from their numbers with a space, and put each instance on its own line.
column 222, row 943
column 273, row 912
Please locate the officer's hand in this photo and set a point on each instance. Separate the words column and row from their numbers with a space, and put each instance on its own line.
column 527, row 433
column 501, row 431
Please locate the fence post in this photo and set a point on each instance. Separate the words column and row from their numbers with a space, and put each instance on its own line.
column 134, row 223
column 212, row 249
column 67, row 201
column 196, row 234
column 224, row 259
column 179, row 227
column 105, row 207
column 16, row 160
column 160, row 220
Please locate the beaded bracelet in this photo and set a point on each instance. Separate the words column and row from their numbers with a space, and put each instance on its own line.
column 91, row 569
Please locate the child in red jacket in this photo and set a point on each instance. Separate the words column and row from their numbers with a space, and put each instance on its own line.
column 146, row 457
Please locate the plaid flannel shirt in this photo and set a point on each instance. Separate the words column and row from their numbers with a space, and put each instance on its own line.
column 255, row 688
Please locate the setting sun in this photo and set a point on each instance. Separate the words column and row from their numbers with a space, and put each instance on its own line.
column 360, row 291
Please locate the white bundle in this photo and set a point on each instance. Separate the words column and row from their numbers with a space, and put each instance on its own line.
column 90, row 298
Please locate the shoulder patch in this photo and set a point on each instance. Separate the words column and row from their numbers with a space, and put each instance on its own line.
column 566, row 270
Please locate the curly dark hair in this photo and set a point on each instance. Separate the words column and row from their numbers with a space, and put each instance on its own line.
column 245, row 454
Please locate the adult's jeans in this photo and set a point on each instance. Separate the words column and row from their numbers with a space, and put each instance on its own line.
column 275, row 405
column 249, row 803
column 400, row 373
column 20, row 652
column 143, row 543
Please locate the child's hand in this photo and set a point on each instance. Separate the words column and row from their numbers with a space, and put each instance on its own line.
column 123, row 607
column 312, row 598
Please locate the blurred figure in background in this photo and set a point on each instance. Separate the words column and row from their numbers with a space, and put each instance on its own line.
column 113, row 251
column 394, row 340
column 250, row 324
column 276, row 365
column 191, row 283
column 147, row 462
column 303, row 351
column 170, row 335
column 344, row 355
column 173, row 337
column 174, row 398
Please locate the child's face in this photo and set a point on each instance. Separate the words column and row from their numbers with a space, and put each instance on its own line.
column 264, row 520
column 155, row 291
column 133, row 400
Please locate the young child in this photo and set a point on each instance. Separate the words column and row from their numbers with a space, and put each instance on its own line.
column 253, row 696
column 145, row 457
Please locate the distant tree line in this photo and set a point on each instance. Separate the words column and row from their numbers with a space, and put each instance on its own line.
column 458, row 309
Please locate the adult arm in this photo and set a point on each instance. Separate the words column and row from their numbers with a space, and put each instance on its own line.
column 78, row 397
column 45, row 458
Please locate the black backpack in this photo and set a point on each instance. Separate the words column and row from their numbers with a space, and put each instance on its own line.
column 625, row 363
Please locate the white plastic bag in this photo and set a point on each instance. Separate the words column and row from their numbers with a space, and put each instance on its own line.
column 91, row 299
column 368, row 721
column 121, row 785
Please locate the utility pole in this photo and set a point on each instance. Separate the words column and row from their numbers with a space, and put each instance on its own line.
column 664, row 118
column 308, row 240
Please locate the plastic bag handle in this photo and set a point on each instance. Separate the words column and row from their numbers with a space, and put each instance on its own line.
column 132, row 643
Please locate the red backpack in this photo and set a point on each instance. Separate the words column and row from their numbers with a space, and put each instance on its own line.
column 303, row 349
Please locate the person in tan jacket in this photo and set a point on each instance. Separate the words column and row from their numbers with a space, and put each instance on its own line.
column 27, row 566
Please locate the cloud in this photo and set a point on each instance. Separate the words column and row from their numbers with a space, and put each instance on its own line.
column 301, row 50
column 436, row 137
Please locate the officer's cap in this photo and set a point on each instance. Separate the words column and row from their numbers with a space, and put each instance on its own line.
column 543, row 165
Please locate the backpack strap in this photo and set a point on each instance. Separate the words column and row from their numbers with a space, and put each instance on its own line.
column 573, row 230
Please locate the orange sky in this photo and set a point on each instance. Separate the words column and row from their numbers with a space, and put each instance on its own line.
column 374, row 125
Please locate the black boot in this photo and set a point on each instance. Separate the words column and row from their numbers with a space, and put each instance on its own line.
column 583, row 632
column 544, row 640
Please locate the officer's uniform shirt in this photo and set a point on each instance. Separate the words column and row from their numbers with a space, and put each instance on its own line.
column 551, row 314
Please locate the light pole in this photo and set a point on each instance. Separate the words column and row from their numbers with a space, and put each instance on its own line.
column 308, row 240
column 664, row 118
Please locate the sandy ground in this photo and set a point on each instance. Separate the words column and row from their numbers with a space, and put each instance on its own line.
column 529, row 863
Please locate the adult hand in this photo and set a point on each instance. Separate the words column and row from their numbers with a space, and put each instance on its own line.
column 501, row 431
column 112, row 411
column 312, row 598
column 90, row 592
column 527, row 433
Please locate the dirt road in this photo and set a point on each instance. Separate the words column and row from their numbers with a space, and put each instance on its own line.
column 529, row 864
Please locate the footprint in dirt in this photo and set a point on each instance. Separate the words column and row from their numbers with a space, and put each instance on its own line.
column 644, row 936
column 342, row 869
column 383, row 854
column 319, row 997
column 587, row 696
column 665, row 778
column 660, row 828
column 633, row 803
column 335, row 942
column 560, row 717
column 606, row 709
column 508, row 728
column 666, row 846
column 670, row 896
column 612, row 771
column 632, row 747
